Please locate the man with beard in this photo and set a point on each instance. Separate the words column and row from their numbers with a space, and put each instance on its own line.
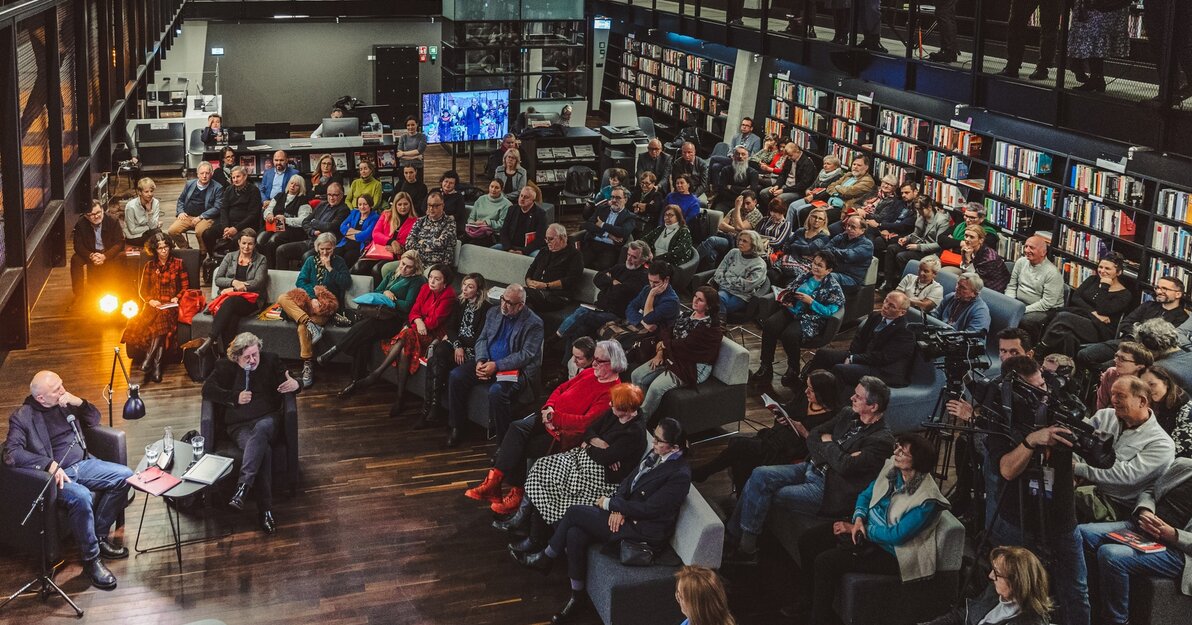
column 734, row 178
column 1167, row 305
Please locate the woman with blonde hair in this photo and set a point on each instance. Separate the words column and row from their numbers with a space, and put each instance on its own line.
column 802, row 245
column 388, row 236
column 1017, row 596
column 701, row 597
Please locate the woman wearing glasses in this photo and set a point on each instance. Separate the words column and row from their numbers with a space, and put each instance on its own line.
column 1018, row 594
column 806, row 304
column 155, row 330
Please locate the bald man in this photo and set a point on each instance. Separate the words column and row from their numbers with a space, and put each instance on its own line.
column 275, row 179
column 657, row 161
column 91, row 490
column 1036, row 282
column 882, row 347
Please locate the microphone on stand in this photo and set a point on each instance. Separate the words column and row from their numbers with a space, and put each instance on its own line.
column 78, row 436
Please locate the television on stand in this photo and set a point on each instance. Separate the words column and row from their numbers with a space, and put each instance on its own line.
column 465, row 116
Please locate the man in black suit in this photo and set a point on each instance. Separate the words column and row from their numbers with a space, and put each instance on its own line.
column 97, row 242
column 249, row 385
column 883, row 347
column 93, row 491
column 606, row 231
column 657, row 161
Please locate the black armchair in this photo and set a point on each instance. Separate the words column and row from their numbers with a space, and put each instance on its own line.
column 285, row 446
column 19, row 487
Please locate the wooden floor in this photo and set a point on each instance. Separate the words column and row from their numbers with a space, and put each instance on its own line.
column 379, row 532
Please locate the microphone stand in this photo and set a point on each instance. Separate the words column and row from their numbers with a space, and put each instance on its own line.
column 44, row 579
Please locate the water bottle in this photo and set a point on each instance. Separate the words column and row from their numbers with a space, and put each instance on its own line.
column 167, row 442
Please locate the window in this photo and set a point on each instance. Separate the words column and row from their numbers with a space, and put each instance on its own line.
column 35, row 119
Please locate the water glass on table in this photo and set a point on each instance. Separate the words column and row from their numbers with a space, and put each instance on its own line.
column 196, row 443
column 151, row 454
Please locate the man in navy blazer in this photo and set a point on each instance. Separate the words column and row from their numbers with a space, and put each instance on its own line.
column 607, row 230
column 93, row 491
column 511, row 340
column 883, row 347
column 273, row 183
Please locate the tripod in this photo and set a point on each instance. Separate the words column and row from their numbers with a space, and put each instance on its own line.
column 45, row 579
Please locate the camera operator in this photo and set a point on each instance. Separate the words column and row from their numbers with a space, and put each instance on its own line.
column 1035, row 506
column 1143, row 451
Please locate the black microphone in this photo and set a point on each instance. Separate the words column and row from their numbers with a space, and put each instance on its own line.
column 247, row 371
column 78, row 436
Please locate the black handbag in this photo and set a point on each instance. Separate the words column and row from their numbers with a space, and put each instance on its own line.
column 634, row 553
column 375, row 311
column 198, row 366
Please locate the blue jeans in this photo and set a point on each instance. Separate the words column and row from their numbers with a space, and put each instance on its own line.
column 1115, row 563
column 730, row 303
column 500, row 398
column 792, row 211
column 714, row 248
column 1067, row 569
column 583, row 322
column 791, row 487
column 93, row 498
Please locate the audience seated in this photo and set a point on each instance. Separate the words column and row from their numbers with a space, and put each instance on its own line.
column 560, row 424
column 283, row 219
column 198, row 206
column 1131, row 359
column 846, row 191
column 252, row 409
column 685, row 352
column 853, row 252
column 786, row 441
column 326, row 217
column 1168, row 304
column 98, row 244
column 511, row 340
column 323, row 175
column 671, row 241
column 618, row 286
column 1160, row 513
column 882, row 347
column 808, row 301
column 366, row 184
column 496, row 158
column 657, row 162
column 735, row 177
column 931, row 222
column 978, row 257
column 583, row 350
column 657, row 304
column 457, row 345
column 829, row 173
column 647, row 202
column 411, row 183
column 845, row 454
column 1036, row 282
column 891, row 531
column 223, row 171
column 319, row 293
column 1093, row 311
column 741, row 276
column 643, row 509
column 488, row 214
column 142, row 214
column 701, row 596
column 154, row 331
column 511, row 174
column 775, row 229
column 744, row 215
column 688, row 202
column 694, row 167
column 276, row 179
column 768, row 160
column 885, row 199
column 892, row 219
column 615, row 176
column 606, row 231
column 1159, row 336
column 974, row 215
column 433, row 236
column 241, row 281
column 1172, row 407
column 802, row 246
column 240, row 210
column 555, row 273
column 963, row 309
column 357, row 229
column 921, row 288
column 524, row 230
column 794, row 177
column 1018, row 593
column 389, row 236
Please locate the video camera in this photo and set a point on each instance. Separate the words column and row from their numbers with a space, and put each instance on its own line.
column 1031, row 408
column 961, row 351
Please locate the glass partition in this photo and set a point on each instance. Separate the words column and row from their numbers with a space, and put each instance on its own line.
column 35, row 118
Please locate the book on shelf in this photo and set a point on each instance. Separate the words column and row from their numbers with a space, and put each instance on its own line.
column 1107, row 185
column 386, row 159
column 1161, row 267
column 1016, row 189
column 365, row 156
column 956, row 140
column 854, row 109
column 898, row 149
column 584, row 151
column 1020, row 159
column 1098, row 216
column 1175, row 205
column 946, row 165
column 1012, row 218
column 1173, row 240
column 1074, row 272
column 1080, row 244
column 903, row 125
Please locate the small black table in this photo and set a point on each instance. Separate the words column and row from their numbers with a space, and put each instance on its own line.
column 183, row 457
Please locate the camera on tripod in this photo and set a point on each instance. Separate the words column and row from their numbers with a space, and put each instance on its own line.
column 1032, row 408
column 942, row 342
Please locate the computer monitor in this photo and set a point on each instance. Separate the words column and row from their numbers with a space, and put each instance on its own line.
column 341, row 127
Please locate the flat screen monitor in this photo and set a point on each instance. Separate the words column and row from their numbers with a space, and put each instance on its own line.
column 465, row 115
column 341, row 127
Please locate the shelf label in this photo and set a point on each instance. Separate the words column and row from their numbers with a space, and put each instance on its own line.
column 959, row 125
column 159, row 125
column 1114, row 166
column 867, row 99
column 785, row 75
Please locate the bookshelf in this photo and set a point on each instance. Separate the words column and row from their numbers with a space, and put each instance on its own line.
column 680, row 88
column 1090, row 206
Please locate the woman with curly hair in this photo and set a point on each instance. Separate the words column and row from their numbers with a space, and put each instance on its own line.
column 154, row 330
column 685, row 353
column 318, row 292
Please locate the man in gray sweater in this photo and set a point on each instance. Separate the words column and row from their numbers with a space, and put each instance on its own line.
column 1036, row 282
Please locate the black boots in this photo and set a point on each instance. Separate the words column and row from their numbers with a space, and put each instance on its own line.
column 202, row 349
column 840, row 24
column 268, row 525
column 99, row 574
column 537, row 560
column 573, row 607
column 326, row 356
column 153, row 357
column 764, row 373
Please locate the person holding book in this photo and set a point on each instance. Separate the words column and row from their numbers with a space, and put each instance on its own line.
column 1156, row 541
column 318, row 294
column 511, row 174
column 142, row 214
column 931, row 223
column 607, row 230
column 457, row 345
column 389, row 237
column 617, row 287
column 571, row 408
column 154, row 330
column 671, row 241
column 366, row 184
column 524, row 230
column 488, row 215
column 783, row 443
column 433, row 236
column 805, row 306
column 283, row 217
column 411, row 147
column 249, row 384
column 197, row 207
column 324, row 174
column 98, row 242
column 411, row 183
column 685, row 352
column 1093, row 311
column 646, row 201
column 795, row 175
column 357, row 229
column 802, row 246
column 276, row 179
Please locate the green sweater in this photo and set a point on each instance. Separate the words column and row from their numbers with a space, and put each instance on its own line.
column 405, row 289
column 360, row 186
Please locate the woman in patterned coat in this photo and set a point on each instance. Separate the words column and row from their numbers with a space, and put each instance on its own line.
column 155, row 330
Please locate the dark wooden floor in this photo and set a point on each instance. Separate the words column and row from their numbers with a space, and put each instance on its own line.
column 379, row 532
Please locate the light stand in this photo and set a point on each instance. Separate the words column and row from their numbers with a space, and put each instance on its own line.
column 134, row 406
column 44, row 579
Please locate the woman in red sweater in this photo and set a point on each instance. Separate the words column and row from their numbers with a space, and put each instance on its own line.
column 428, row 323
column 559, row 426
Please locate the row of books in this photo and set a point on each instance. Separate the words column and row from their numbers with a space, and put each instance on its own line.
column 651, row 50
column 898, row 149
column 1009, row 248
column 1012, row 218
column 1174, row 204
column 1033, row 194
column 775, row 127
column 1161, row 267
column 903, row 125
column 854, row 109
column 1074, row 272
column 884, row 168
column 957, row 140
column 643, row 64
column 1107, row 185
column 843, row 152
column 691, row 116
column 946, row 165
column 945, row 193
column 801, row 94
column 1098, row 216
column 849, row 131
column 1172, row 240
column 1079, row 243
column 703, row 102
column 1020, row 159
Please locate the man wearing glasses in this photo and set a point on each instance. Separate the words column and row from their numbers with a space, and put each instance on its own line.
column 98, row 241
column 609, row 227
column 853, row 252
column 510, row 341
column 556, row 272
column 326, row 218
column 657, row 161
column 1168, row 305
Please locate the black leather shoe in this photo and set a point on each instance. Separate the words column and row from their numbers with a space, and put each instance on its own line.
column 108, row 551
column 1008, row 73
column 99, row 574
column 790, row 379
column 874, row 45
column 570, row 609
column 1040, row 73
column 537, row 560
column 206, row 345
column 268, row 525
column 326, row 356
column 741, row 558
column 519, row 521
column 237, row 500
column 453, row 437
column 347, row 390
column 526, row 545
column 941, row 56
column 764, row 373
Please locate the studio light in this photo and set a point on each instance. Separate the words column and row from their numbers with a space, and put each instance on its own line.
column 129, row 310
column 108, row 303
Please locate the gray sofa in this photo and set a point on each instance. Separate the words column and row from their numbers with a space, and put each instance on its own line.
column 718, row 401
column 632, row 595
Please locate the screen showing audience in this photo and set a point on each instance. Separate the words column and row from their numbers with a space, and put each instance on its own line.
column 465, row 116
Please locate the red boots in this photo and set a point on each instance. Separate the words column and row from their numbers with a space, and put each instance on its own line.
column 511, row 502
column 490, row 489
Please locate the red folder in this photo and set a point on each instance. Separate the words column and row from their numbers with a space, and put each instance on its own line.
column 153, row 481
